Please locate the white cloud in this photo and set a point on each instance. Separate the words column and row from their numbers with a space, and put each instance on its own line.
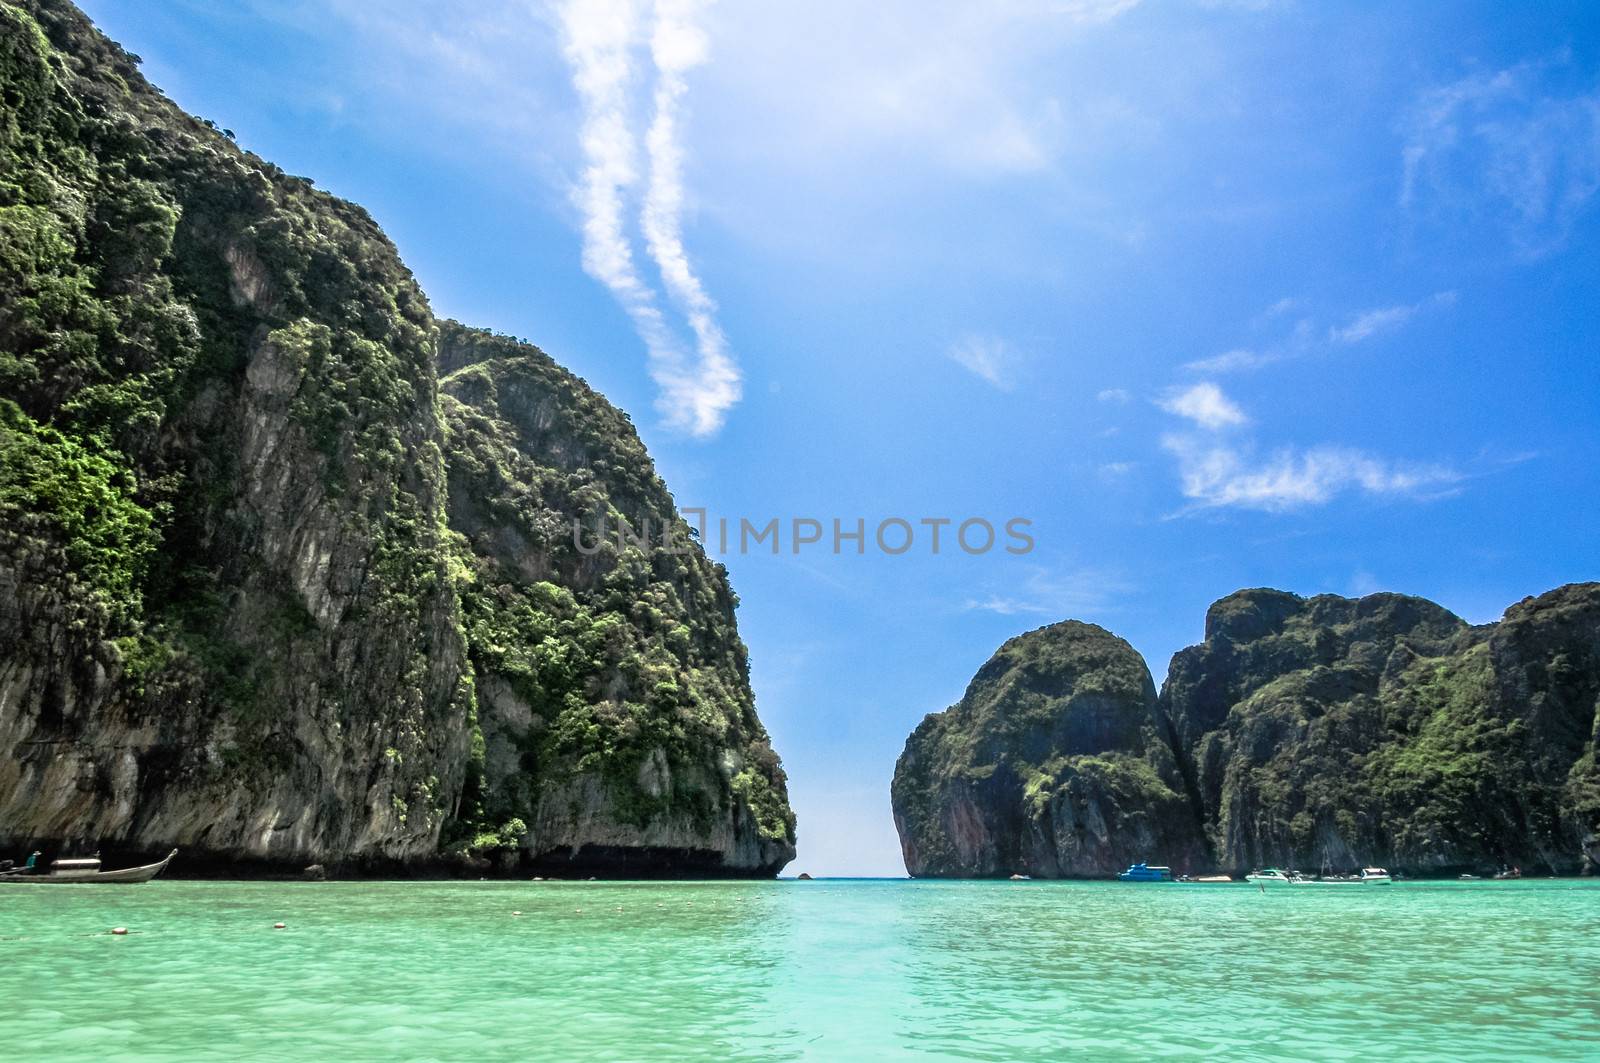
column 599, row 39
column 1242, row 359
column 1117, row 396
column 700, row 398
column 1303, row 339
column 986, row 356
column 1363, row 583
column 1215, row 475
column 1205, row 405
column 467, row 68
column 1058, row 594
column 1502, row 146
column 1006, row 606
column 1370, row 323
column 1217, row 472
column 1234, row 361
column 1090, row 11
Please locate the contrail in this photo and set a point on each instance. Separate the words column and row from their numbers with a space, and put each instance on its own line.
column 677, row 45
column 599, row 41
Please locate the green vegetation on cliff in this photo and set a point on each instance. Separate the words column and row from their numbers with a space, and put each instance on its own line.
column 599, row 658
column 70, row 511
column 1337, row 731
column 1322, row 732
column 233, row 613
column 1054, row 762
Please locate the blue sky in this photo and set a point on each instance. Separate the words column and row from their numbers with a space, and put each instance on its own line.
column 1215, row 294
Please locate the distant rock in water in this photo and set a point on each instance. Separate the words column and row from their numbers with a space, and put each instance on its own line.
column 274, row 592
column 1053, row 764
column 1302, row 732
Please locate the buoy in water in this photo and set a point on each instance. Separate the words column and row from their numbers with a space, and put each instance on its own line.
column 119, row 930
column 516, row 913
column 278, row 926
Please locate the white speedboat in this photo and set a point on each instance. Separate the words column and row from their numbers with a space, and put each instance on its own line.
column 1369, row 876
column 1272, row 875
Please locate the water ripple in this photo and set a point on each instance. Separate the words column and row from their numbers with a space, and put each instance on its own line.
column 823, row 970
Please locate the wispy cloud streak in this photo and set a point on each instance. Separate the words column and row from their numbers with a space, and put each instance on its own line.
column 1305, row 340
column 600, row 37
column 1509, row 147
column 1370, row 323
column 1216, row 475
column 986, row 357
column 704, row 395
column 1056, row 593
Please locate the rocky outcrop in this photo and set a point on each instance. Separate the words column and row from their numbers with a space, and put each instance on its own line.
column 234, row 616
column 1054, row 763
column 1276, row 700
column 1385, row 730
column 1331, row 732
column 614, row 704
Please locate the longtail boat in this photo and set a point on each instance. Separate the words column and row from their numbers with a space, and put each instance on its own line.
column 85, row 869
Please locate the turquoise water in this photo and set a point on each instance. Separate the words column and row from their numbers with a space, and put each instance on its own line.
column 785, row 970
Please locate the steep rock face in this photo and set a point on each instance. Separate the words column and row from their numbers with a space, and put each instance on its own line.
column 1054, row 763
column 614, row 699
column 1333, row 731
column 232, row 615
column 225, row 620
column 1276, row 700
column 1546, row 658
column 1327, row 732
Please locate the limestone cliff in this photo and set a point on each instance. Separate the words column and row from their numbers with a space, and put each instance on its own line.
column 613, row 691
column 233, row 617
column 1386, row 730
column 1053, row 763
column 1322, row 732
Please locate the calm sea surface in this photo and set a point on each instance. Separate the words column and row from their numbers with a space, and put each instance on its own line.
column 780, row 970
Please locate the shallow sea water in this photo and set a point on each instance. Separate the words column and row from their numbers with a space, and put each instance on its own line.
column 828, row 970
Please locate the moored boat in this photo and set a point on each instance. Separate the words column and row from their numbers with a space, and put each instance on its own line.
column 1369, row 876
column 1272, row 875
column 85, row 869
column 1146, row 873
